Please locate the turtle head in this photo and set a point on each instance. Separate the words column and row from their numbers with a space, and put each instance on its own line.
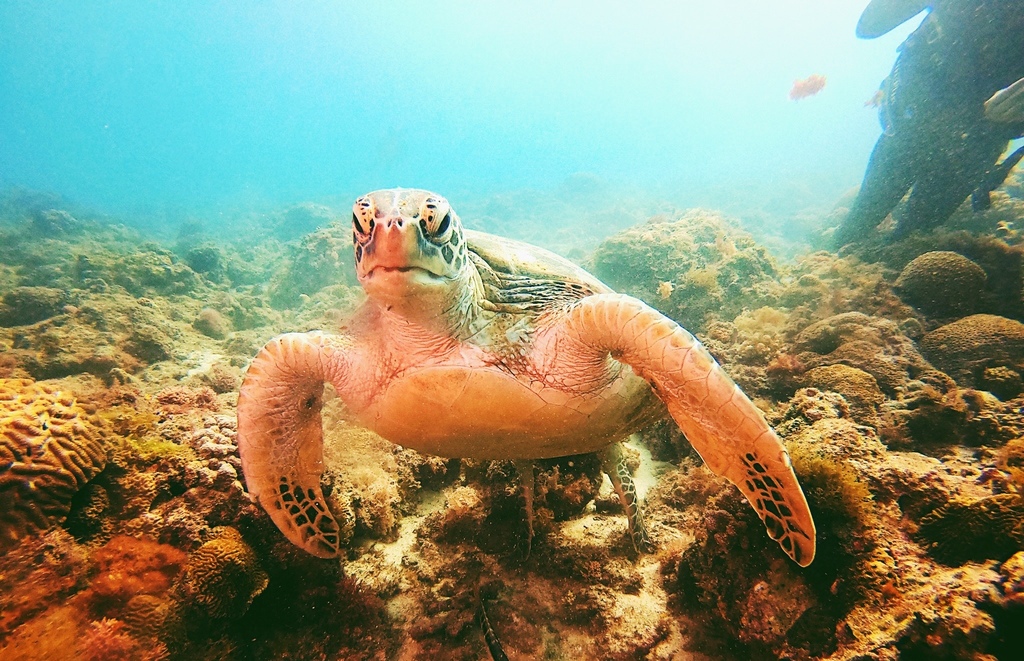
column 410, row 249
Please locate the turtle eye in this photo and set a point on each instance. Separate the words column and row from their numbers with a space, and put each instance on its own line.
column 445, row 223
column 363, row 212
column 436, row 219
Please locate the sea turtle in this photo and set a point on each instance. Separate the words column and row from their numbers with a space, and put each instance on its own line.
column 473, row 345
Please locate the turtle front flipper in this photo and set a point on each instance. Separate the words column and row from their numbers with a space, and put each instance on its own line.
column 280, row 436
column 721, row 422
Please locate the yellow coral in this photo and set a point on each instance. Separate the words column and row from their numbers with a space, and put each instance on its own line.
column 706, row 278
column 843, row 514
column 858, row 387
column 223, row 576
column 49, row 448
column 767, row 320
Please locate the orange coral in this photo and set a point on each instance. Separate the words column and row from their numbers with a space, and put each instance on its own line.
column 112, row 639
column 39, row 573
column 784, row 372
column 129, row 566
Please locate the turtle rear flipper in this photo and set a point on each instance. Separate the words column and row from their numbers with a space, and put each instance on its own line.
column 614, row 464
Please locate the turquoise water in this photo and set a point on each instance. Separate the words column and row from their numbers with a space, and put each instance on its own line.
column 190, row 107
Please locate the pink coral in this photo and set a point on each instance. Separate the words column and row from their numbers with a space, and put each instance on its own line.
column 107, row 639
column 179, row 399
column 110, row 639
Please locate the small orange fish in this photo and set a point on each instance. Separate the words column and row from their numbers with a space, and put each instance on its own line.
column 806, row 87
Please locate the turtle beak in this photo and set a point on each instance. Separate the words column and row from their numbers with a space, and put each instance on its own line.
column 392, row 247
column 396, row 250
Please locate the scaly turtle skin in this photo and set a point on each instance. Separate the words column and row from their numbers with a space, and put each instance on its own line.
column 471, row 345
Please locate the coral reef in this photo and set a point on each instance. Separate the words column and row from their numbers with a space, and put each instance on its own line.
column 212, row 323
column 941, row 284
column 988, row 529
column 907, row 435
column 859, row 388
column 110, row 639
column 1002, row 263
column 321, row 259
column 857, row 599
column 222, row 577
column 27, row 305
column 99, row 334
column 39, row 573
column 49, row 448
column 872, row 344
column 968, row 347
column 713, row 268
column 127, row 567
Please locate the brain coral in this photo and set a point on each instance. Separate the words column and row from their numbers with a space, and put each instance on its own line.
column 858, row 387
column 966, row 347
column 873, row 344
column 990, row 528
column 223, row 576
column 941, row 283
column 49, row 448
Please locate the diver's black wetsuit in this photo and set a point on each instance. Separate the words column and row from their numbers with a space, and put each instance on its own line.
column 936, row 140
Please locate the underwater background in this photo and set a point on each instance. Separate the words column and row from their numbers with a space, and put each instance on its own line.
column 167, row 109
column 176, row 182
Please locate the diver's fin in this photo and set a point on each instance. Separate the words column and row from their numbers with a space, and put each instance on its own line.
column 981, row 198
column 883, row 16
column 1007, row 105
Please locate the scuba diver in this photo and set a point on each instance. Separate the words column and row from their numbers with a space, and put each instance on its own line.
column 949, row 108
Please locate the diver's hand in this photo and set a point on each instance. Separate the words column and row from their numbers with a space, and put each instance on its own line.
column 1007, row 105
